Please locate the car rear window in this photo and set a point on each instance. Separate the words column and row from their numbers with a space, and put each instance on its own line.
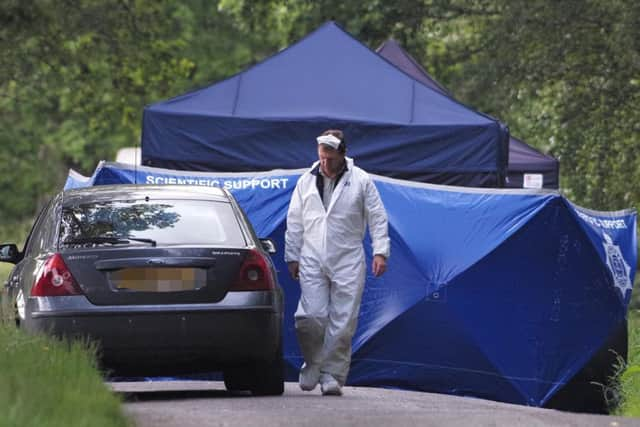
column 165, row 222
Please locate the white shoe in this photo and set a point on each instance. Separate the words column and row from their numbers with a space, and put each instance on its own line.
column 330, row 386
column 309, row 377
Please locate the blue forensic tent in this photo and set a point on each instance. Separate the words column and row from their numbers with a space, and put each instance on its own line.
column 267, row 117
column 524, row 160
column 500, row 294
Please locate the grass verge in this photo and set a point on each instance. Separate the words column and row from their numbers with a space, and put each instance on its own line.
column 630, row 377
column 48, row 382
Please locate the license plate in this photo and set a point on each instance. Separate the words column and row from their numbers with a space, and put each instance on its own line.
column 156, row 279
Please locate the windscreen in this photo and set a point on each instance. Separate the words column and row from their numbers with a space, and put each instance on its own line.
column 153, row 222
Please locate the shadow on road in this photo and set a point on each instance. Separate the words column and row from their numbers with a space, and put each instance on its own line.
column 143, row 396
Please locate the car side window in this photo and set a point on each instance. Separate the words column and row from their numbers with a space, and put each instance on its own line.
column 247, row 223
column 50, row 225
column 41, row 233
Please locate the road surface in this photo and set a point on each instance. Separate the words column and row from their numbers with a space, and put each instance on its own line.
column 207, row 403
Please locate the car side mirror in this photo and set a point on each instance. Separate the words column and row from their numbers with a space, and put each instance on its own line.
column 268, row 245
column 9, row 253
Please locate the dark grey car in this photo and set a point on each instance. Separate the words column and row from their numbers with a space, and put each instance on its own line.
column 166, row 279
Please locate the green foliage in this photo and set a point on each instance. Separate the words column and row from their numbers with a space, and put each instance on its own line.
column 46, row 382
column 76, row 75
column 634, row 304
column 564, row 75
column 15, row 232
column 12, row 232
column 629, row 377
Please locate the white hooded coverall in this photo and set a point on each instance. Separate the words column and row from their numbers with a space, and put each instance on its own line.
column 327, row 243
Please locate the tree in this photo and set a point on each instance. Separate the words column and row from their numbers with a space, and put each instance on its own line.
column 564, row 75
column 77, row 75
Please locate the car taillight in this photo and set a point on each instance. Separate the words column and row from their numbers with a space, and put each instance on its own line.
column 255, row 274
column 55, row 279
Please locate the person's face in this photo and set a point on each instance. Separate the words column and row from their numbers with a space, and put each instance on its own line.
column 330, row 160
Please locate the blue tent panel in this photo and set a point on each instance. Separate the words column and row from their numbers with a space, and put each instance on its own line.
column 487, row 292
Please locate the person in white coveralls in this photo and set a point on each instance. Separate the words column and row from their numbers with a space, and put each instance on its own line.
column 330, row 207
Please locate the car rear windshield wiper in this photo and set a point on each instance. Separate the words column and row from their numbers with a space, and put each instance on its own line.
column 108, row 239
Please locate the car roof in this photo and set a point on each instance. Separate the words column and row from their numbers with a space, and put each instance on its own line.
column 141, row 191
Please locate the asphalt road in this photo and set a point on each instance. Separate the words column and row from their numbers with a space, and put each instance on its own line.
column 206, row 403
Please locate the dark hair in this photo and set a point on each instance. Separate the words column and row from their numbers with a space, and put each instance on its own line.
column 342, row 148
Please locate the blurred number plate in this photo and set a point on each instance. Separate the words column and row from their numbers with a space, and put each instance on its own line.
column 159, row 279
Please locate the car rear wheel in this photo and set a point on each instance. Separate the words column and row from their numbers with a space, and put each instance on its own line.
column 237, row 378
column 269, row 376
column 261, row 378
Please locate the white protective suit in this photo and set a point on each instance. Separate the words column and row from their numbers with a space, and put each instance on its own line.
column 328, row 246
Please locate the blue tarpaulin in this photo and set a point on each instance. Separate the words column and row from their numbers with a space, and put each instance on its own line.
column 500, row 294
column 524, row 160
column 267, row 117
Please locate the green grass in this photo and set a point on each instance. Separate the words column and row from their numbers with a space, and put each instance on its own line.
column 48, row 382
column 630, row 377
column 5, row 269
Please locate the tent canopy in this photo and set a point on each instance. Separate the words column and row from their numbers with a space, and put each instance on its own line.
column 267, row 117
column 523, row 159
column 394, row 53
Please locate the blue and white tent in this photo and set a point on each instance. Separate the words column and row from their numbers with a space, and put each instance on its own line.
column 267, row 117
column 511, row 295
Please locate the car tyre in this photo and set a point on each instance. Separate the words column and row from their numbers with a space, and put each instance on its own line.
column 261, row 378
column 237, row 378
column 268, row 377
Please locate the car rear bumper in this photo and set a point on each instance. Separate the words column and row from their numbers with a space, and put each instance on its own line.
column 167, row 339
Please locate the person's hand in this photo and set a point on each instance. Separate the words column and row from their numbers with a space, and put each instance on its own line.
column 294, row 269
column 379, row 265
